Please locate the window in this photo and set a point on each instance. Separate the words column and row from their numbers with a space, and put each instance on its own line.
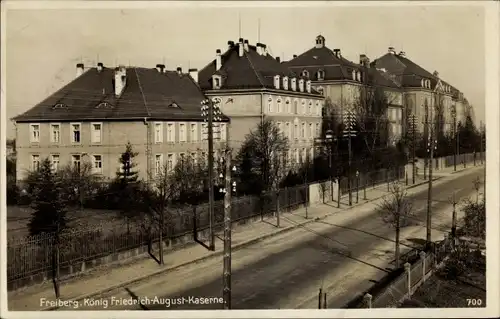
column 75, row 132
column 278, row 103
column 277, row 82
column 305, row 73
column 317, row 130
column 303, row 106
column 303, row 130
column 288, row 130
column 158, row 163
column 296, row 132
column 194, row 157
column 96, row 132
column 294, row 84
column 321, row 75
column 55, row 133
column 285, row 83
column 270, row 105
column 170, row 132
column 280, row 127
column 35, row 133
column 288, row 106
column 304, row 155
column 297, row 156
column 170, row 162
column 204, row 131
column 182, row 132
column 35, row 162
column 318, row 108
column 54, row 162
column 194, row 132
column 311, row 153
column 75, row 161
column 311, row 130
column 310, row 110
column 97, row 167
column 295, row 106
column 223, row 131
column 158, row 132
column 321, row 90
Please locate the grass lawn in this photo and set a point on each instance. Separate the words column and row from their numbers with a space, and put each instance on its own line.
column 464, row 291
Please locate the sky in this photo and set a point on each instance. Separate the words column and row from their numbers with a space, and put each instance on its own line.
column 44, row 45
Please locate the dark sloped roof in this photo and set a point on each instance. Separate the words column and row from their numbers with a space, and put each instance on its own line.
column 252, row 71
column 147, row 94
column 334, row 67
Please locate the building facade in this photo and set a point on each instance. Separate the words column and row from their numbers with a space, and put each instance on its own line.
column 342, row 81
column 92, row 118
column 423, row 88
column 252, row 85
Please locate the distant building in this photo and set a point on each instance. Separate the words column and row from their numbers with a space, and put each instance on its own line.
column 342, row 80
column 422, row 87
column 94, row 116
column 253, row 85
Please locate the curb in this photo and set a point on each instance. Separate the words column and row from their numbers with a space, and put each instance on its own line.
column 191, row 262
column 425, row 182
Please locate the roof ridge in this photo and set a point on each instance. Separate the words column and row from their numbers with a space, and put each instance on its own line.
column 253, row 68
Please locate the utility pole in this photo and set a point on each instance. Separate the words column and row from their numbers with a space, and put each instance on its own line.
column 431, row 146
column 453, row 201
column 481, row 144
column 227, row 188
column 349, row 133
column 413, row 151
column 454, row 115
column 210, row 111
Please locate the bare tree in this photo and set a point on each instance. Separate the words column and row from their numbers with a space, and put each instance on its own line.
column 81, row 180
column 396, row 210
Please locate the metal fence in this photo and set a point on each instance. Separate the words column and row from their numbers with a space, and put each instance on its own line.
column 371, row 179
column 33, row 255
column 461, row 158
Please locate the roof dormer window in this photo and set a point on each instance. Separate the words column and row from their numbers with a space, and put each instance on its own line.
column 174, row 105
column 320, row 75
column 277, row 82
column 422, row 84
column 294, row 84
column 358, row 76
column 305, row 73
column 285, row 83
column 216, row 81
column 301, row 85
column 308, row 86
column 104, row 105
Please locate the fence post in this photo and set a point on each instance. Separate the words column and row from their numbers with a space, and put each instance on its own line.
column 319, row 298
column 408, row 274
column 368, row 300
column 422, row 256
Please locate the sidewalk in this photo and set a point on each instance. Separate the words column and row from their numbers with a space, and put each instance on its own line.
column 451, row 169
column 115, row 276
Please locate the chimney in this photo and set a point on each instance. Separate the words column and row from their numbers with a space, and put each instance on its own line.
column 99, row 67
column 218, row 60
column 79, row 69
column 278, row 59
column 264, row 49
column 179, row 70
column 336, row 52
column 240, row 47
column 245, row 45
column 230, row 44
column 160, row 68
column 120, row 79
column 402, row 53
column 391, row 50
column 364, row 60
column 194, row 74
column 436, row 74
column 294, row 56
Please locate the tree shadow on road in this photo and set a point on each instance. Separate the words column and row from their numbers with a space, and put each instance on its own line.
column 133, row 295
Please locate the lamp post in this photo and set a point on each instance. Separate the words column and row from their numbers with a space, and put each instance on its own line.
column 210, row 111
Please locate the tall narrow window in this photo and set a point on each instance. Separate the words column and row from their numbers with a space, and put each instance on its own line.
column 303, row 130
column 158, row 132
column 55, row 159
column 75, row 161
column 310, row 109
column 34, row 133
column 35, row 162
column 182, row 132
column 55, row 133
column 170, row 162
column 288, row 130
column 158, row 164
column 311, row 131
column 96, row 132
column 97, row 164
column 296, row 131
column 304, row 107
column 223, row 131
column 317, row 130
column 288, row 108
column 270, row 105
column 170, row 132
column 278, row 104
column 75, row 132
column 194, row 132
column 296, row 107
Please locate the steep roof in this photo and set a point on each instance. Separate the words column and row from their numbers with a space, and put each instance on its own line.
column 251, row 71
column 148, row 93
column 334, row 66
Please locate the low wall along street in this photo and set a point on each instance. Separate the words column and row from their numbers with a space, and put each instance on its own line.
column 29, row 260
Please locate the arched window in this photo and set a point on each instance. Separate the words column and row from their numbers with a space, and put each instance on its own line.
column 305, row 73
column 318, row 108
column 278, row 104
column 310, row 109
column 296, row 106
column 288, row 106
column 277, row 82
column 303, row 106
column 270, row 105
column 285, row 83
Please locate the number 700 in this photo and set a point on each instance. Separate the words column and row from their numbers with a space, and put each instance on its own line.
column 474, row 302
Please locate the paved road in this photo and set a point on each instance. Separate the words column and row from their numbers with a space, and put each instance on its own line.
column 342, row 254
